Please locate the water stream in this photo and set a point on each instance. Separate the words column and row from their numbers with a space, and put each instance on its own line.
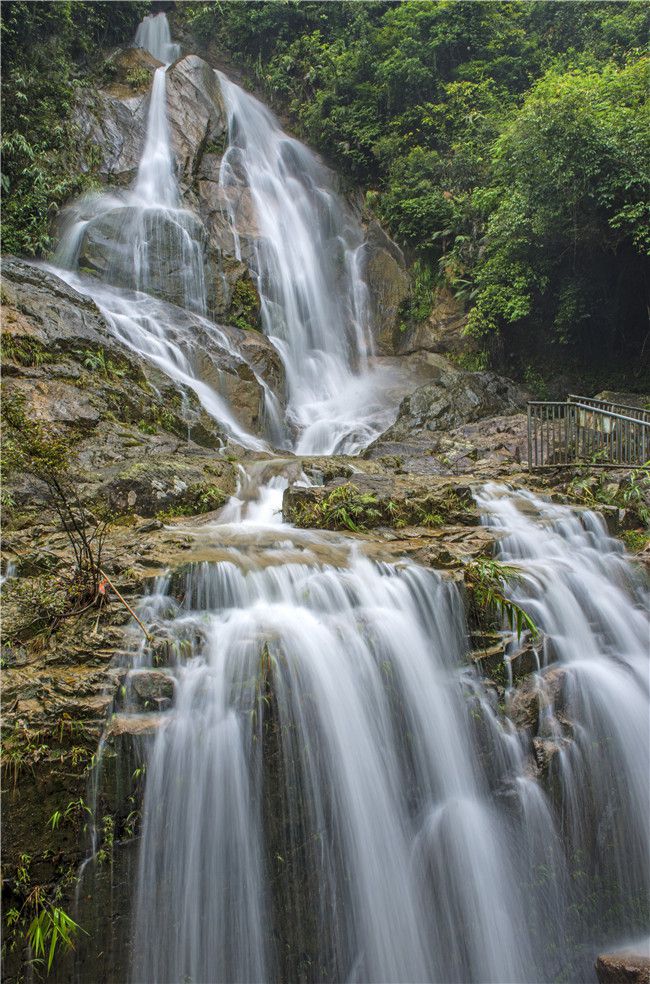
column 336, row 796
column 334, row 793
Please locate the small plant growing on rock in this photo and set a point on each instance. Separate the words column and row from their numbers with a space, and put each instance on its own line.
column 488, row 580
column 33, row 448
column 345, row 507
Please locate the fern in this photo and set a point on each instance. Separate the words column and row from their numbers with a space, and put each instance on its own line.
column 488, row 581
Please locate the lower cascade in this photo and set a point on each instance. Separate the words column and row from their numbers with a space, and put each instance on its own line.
column 334, row 794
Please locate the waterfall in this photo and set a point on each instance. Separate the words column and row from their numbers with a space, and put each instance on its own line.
column 334, row 794
column 306, row 256
column 592, row 606
column 305, row 251
column 154, row 36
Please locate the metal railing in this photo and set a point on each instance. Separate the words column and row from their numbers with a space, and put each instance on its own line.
column 586, row 431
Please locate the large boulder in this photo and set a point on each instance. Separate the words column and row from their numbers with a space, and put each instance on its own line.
column 624, row 967
column 197, row 117
column 455, row 397
column 457, row 421
column 173, row 264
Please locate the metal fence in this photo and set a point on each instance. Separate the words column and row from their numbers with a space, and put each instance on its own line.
column 585, row 431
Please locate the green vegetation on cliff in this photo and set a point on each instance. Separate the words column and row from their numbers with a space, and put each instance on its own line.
column 48, row 50
column 504, row 144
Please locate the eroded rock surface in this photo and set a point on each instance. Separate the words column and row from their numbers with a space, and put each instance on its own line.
column 624, row 967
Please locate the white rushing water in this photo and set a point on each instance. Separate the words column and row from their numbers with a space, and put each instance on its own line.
column 334, row 795
column 154, row 36
column 307, row 258
column 308, row 261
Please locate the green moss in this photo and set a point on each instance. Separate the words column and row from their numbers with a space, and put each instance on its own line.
column 138, row 79
column 25, row 351
column 245, row 305
column 635, row 540
column 200, row 497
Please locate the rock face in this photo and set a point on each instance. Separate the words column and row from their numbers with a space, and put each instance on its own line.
column 456, row 397
column 175, row 249
column 388, row 287
column 197, row 117
column 624, row 967
column 73, row 370
column 455, row 420
column 441, row 332
column 111, row 122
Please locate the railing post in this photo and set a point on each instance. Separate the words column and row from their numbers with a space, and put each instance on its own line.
column 530, row 441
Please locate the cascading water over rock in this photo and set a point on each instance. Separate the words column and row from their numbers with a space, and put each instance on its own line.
column 335, row 797
column 154, row 36
column 307, row 253
column 334, row 794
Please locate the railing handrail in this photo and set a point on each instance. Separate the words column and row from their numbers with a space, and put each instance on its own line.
column 610, row 413
column 574, row 398
column 562, row 432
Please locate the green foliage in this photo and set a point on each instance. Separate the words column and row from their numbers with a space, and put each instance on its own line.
column 96, row 360
column 635, row 540
column 200, row 497
column 418, row 305
column 345, row 507
column 48, row 50
column 488, row 580
column 245, row 305
column 33, row 448
column 138, row 79
column 50, row 931
column 506, row 144
column 631, row 494
column 24, row 351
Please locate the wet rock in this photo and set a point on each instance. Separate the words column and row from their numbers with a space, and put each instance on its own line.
column 49, row 311
column 196, row 113
column 134, row 725
column 107, row 249
column 441, row 332
column 624, row 967
column 152, row 689
column 388, row 286
column 111, row 121
column 456, row 397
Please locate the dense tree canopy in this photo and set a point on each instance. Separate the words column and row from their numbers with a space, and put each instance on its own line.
column 506, row 144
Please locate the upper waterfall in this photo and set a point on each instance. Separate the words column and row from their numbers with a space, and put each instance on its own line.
column 308, row 261
column 301, row 241
column 154, row 36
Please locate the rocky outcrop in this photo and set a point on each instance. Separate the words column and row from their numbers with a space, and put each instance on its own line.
column 111, row 121
column 456, row 397
column 61, row 354
column 624, row 967
column 456, row 420
column 197, row 117
column 441, row 332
